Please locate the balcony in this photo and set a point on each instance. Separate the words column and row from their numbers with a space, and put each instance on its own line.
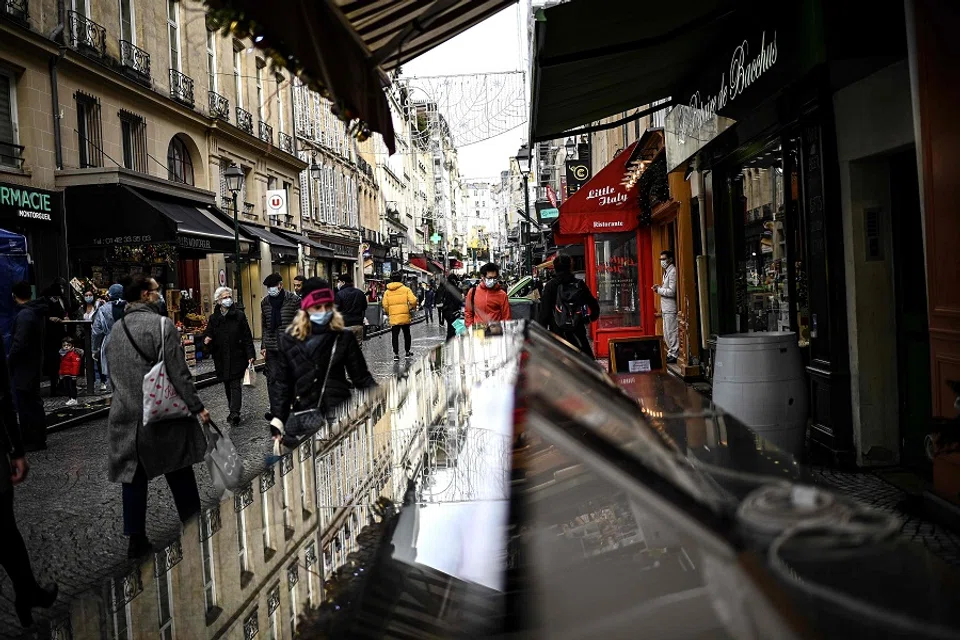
column 219, row 106
column 245, row 120
column 286, row 143
column 266, row 132
column 248, row 210
column 17, row 10
column 86, row 35
column 181, row 88
column 11, row 155
column 135, row 61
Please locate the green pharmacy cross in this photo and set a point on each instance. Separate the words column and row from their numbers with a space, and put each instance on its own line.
column 435, row 238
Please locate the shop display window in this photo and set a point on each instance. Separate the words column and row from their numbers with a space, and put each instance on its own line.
column 617, row 279
column 770, row 286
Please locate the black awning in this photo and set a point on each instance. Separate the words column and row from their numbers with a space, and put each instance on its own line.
column 317, row 250
column 104, row 215
column 281, row 249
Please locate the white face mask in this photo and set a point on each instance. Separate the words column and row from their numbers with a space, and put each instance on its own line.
column 273, row 292
column 226, row 303
column 490, row 282
column 663, row 264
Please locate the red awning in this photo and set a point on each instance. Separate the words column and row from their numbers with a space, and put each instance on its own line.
column 420, row 263
column 603, row 204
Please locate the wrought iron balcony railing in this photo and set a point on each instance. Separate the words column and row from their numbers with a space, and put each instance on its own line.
column 17, row 9
column 266, row 132
column 286, row 143
column 135, row 60
column 219, row 106
column 248, row 208
column 245, row 120
column 11, row 155
column 181, row 88
column 86, row 35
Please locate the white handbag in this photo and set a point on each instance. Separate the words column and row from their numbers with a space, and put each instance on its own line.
column 250, row 377
column 160, row 398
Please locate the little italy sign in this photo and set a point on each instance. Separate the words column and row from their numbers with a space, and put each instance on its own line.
column 607, row 196
column 744, row 71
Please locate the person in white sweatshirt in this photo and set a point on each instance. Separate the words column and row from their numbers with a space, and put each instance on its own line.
column 667, row 291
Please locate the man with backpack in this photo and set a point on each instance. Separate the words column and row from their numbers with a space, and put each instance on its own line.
column 567, row 306
column 487, row 302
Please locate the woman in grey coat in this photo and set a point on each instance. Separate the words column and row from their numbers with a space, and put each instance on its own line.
column 141, row 452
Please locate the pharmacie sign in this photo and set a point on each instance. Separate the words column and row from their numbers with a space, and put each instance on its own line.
column 28, row 205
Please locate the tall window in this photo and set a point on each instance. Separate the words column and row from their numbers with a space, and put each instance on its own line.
column 242, row 541
column 89, row 131
column 173, row 33
column 165, row 610
column 81, row 6
column 127, row 30
column 292, row 581
column 212, row 61
column 281, row 120
column 238, row 73
column 121, row 619
column 9, row 153
column 259, row 65
column 206, row 556
column 287, row 517
column 133, row 134
column 179, row 164
column 266, row 522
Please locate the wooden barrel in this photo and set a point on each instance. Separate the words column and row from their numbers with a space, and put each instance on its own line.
column 759, row 379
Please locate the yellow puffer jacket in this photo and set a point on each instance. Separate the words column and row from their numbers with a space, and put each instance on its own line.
column 399, row 302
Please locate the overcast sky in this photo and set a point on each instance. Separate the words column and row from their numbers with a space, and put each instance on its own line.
column 497, row 44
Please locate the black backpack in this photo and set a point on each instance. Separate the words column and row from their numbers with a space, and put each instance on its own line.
column 118, row 307
column 568, row 310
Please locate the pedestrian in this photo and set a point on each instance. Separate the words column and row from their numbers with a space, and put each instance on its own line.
column 138, row 452
column 429, row 302
column 103, row 322
column 438, row 298
column 25, row 363
column 487, row 302
column 320, row 361
column 399, row 303
column 298, row 283
column 13, row 552
column 71, row 362
column 229, row 339
column 90, row 305
column 567, row 306
column 58, row 309
column 277, row 311
column 668, row 305
column 452, row 299
column 352, row 305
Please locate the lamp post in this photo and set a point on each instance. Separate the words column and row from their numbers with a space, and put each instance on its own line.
column 524, row 154
column 234, row 179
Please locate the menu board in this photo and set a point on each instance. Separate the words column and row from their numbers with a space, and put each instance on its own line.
column 636, row 355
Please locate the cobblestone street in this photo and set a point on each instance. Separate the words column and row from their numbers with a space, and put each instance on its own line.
column 70, row 515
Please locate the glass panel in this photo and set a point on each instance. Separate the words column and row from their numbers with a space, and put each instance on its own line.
column 126, row 21
column 212, row 60
column 617, row 279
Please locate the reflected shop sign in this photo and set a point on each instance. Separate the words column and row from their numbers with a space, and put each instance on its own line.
column 28, row 205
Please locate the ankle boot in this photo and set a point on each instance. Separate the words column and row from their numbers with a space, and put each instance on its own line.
column 139, row 546
column 43, row 598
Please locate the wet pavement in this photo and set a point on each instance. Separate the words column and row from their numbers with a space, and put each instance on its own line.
column 70, row 515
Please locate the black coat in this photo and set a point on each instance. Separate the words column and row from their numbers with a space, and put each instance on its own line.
column 352, row 305
column 270, row 334
column 548, row 300
column 450, row 297
column 304, row 364
column 25, row 359
column 231, row 343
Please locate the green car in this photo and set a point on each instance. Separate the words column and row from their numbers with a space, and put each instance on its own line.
column 524, row 303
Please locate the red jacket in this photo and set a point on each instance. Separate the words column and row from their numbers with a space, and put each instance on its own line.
column 70, row 363
column 484, row 305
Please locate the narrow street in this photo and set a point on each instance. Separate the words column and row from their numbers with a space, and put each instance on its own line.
column 76, row 537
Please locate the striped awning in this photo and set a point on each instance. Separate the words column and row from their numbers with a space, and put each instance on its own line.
column 396, row 31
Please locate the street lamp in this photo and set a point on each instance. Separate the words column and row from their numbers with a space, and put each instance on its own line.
column 571, row 147
column 234, row 178
column 316, row 171
column 524, row 154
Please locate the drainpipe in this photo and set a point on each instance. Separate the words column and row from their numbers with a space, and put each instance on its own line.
column 55, row 99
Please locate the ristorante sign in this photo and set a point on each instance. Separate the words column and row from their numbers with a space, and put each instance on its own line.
column 605, row 204
column 747, row 66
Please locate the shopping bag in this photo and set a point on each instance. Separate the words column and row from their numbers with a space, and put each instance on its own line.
column 459, row 326
column 160, row 398
column 250, row 377
column 223, row 461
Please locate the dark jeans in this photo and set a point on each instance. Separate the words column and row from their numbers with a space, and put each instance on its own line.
column 440, row 319
column 451, row 332
column 429, row 313
column 69, row 385
column 395, row 334
column 273, row 368
column 234, row 391
column 578, row 338
column 13, row 553
column 33, row 418
column 183, row 486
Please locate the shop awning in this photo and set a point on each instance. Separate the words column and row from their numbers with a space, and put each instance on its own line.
column 317, row 250
column 414, row 268
column 281, row 249
column 117, row 214
column 604, row 204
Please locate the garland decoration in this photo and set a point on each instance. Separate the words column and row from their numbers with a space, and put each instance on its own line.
column 653, row 188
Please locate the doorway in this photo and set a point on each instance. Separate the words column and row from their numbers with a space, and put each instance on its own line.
column 910, row 287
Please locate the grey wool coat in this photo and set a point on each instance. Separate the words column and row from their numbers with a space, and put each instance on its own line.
column 160, row 447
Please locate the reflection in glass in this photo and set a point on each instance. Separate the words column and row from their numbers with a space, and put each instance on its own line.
column 617, row 279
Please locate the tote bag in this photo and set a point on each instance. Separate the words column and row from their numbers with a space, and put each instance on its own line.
column 160, row 398
column 223, row 462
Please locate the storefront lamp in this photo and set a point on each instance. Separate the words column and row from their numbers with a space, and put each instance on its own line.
column 316, row 171
column 571, row 147
column 234, row 177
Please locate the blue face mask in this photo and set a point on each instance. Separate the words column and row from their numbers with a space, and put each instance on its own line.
column 226, row 303
column 321, row 317
column 88, row 299
column 273, row 292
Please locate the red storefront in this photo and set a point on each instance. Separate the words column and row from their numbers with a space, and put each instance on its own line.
column 604, row 216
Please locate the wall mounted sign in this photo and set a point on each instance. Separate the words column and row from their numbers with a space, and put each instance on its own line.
column 29, row 205
column 222, row 278
column 578, row 173
column 549, row 213
column 276, row 202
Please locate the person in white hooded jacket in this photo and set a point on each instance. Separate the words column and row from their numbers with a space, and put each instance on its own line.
column 667, row 291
